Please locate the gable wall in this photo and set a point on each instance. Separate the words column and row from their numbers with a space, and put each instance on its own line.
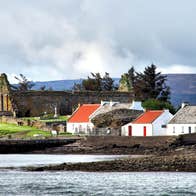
column 163, row 119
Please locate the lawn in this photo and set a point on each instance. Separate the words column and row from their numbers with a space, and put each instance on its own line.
column 16, row 131
column 49, row 119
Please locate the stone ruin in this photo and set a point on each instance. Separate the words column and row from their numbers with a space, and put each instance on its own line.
column 37, row 103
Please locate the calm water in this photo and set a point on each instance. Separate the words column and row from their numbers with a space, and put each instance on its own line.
column 84, row 183
column 18, row 160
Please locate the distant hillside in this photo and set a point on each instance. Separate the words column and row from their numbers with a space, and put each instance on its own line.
column 60, row 85
column 183, row 87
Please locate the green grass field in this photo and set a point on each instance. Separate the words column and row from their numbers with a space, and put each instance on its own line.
column 15, row 131
column 59, row 119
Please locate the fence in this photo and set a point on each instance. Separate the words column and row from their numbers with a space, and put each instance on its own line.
column 104, row 132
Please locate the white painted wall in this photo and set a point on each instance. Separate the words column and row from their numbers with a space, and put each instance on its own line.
column 178, row 129
column 162, row 120
column 137, row 129
column 77, row 128
column 153, row 129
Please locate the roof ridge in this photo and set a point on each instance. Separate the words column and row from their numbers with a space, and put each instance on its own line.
column 91, row 104
column 83, row 113
column 155, row 111
column 147, row 120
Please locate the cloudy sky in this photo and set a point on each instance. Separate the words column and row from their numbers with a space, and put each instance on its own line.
column 68, row 39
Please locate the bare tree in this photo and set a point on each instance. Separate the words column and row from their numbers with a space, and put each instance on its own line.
column 23, row 83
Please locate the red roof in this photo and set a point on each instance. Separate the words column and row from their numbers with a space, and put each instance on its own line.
column 82, row 114
column 148, row 117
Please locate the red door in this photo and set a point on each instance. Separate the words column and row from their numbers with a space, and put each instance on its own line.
column 130, row 130
column 144, row 131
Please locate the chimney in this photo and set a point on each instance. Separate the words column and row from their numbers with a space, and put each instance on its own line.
column 184, row 104
column 136, row 105
column 102, row 102
column 166, row 110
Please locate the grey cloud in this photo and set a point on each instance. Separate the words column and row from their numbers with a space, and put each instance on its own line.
column 69, row 38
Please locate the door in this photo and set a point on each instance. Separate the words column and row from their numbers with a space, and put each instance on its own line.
column 144, row 131
column 130, row 130
column 189, row 130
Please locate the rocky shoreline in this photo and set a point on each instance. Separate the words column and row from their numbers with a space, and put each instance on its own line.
column 164, row 154
column 181, row 159
column 154, row 163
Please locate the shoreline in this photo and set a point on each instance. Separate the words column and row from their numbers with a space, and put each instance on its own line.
column 179, row 159
column 142, row 164
column 166, row 154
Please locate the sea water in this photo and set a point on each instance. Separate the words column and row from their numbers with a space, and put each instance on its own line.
column 17, row 182
column 97, row 183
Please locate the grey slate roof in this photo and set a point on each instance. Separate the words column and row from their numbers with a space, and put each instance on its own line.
column 186, row 115
column 107, row 108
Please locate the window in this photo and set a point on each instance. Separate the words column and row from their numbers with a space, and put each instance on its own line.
column 163, row 126
column 182, row 129
column 174, row 130
column 80, row 128
column 88, row 128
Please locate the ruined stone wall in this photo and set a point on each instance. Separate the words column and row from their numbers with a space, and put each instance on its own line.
column 5, row 96
column 35, row 103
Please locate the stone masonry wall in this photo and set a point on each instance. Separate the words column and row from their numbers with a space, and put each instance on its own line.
column 5, row 96
column 35, row 103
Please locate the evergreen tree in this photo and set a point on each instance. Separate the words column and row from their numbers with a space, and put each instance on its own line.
column 151, row 85
column 131, row 77
column 154, row 104
column 92, row 83
column 107, row 83
column 96, row 82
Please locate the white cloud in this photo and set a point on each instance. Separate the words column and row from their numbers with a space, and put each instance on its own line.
column 49, row 40
column 178, row 69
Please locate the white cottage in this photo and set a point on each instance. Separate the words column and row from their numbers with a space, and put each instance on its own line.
column 80, row 121
column 183, row 122
column 150, row 123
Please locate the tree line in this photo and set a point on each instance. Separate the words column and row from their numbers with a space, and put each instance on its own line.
column 144, row 85
column 148, row 86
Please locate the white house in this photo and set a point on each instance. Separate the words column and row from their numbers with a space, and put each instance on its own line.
column 183, row 122
column 150, row 123
column 80, row 121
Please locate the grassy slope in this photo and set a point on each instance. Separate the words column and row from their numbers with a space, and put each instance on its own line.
column 23, row 131
column 59, row 119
